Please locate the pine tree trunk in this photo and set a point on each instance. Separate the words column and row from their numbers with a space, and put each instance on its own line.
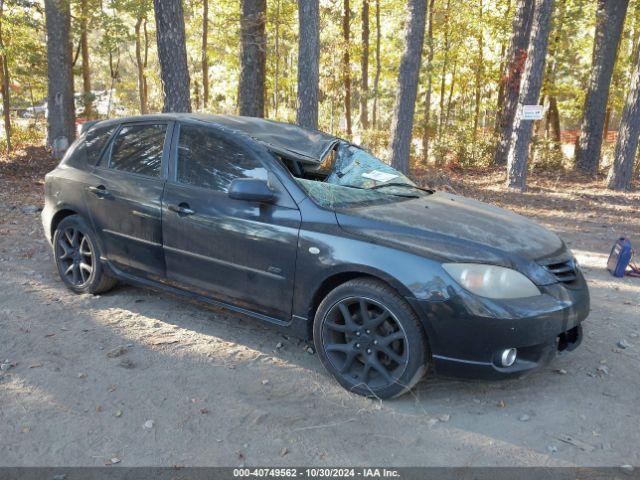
column 376, row 80
column 346, row 65
column 516, row 58
column 276, row 70
column 144, row 64
column 610, row 20
column 532, row 77
column 253, row 57
column 501, row 83
column 408, row 77
column 553, row 119
column 172, row 53
column 308, row 63
column 445, row 66
column 60, row 103
column 429, row 74
column 620, row 175
column 140, row 67
column 364, row 86
column 86, row 67
column 4, row 83
column 205, row 57
column 452, row 87
column 479, row 73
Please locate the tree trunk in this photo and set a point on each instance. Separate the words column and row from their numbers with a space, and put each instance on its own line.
column 530, row 92
column 145, row 63
column 376, row 80
column 479, row 72
column 346, row 73
column 445, row 65
column 205, row 57
column 308, row 63
column 60, row 104
column 609, row 23
column 172, row 53
column 429, row 73
column 4, row 83
column 516, row 58
column 364, row 87
column 86, row 67
column 553, row 120
column 501, row 83
column 408, row 77
column 452, row 87
column 140, row 67
column 276, row 72
column 620, row 175
column 253, row 57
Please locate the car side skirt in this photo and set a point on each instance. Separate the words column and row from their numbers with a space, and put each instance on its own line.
column 296, row 326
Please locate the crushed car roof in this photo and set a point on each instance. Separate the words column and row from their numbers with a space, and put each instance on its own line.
column 309, row 146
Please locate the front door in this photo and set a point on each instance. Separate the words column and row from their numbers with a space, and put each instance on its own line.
column 238, row 252
column 125, row 198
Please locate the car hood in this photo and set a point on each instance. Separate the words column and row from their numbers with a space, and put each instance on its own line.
column 452, row 228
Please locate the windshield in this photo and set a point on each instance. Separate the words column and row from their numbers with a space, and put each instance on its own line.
column 350, row 176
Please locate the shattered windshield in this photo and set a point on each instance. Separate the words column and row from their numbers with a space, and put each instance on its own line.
column 352, row 177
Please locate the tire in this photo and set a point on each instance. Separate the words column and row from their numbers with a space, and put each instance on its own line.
column 356, row 347
column 77, row 255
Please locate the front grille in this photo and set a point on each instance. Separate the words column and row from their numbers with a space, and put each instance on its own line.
column 565, row 271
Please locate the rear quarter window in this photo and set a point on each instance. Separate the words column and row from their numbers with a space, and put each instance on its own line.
column 75, row 156
column 95, row 141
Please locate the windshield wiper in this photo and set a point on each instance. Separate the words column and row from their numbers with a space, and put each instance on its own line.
column 398, row 184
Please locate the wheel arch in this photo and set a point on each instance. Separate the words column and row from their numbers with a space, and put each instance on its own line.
column 59, row 216
column 337, row 278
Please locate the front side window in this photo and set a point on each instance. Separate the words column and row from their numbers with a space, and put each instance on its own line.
column 138, row 149
column 205, row 160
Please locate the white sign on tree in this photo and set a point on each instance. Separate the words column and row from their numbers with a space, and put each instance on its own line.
column 532, row 112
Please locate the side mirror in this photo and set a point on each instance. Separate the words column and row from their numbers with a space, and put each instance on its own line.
column 251, row 190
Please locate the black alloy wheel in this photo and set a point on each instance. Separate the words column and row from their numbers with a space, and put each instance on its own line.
column 370, row 339
column 365, row 342
column 77, row 255
column 74, row 254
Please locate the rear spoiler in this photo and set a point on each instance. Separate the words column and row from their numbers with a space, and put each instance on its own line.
column 87, row 125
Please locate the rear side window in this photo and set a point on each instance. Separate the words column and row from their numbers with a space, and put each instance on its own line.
column 138, row 149
column 95, row 141
column 207, row 161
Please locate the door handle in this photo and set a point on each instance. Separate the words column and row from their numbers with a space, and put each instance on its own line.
column 99, row 191
column 182, row 209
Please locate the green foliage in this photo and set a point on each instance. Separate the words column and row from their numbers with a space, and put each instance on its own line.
column 469, row 40
column 25, row 135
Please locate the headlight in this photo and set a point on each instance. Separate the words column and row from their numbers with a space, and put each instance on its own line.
column 491, row 281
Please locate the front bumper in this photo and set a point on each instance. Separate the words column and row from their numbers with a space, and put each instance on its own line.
column 467, row 333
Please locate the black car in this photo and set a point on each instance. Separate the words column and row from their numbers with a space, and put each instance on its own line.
column 315, row 235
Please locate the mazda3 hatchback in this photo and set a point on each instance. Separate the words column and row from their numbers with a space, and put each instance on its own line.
column 314, row 235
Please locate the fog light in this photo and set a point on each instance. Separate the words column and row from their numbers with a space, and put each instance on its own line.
column 508, row 357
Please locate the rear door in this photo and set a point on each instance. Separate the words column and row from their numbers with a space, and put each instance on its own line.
column 125, row 197
column 239, row 252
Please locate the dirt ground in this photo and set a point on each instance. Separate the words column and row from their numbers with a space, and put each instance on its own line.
column 192, row 385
